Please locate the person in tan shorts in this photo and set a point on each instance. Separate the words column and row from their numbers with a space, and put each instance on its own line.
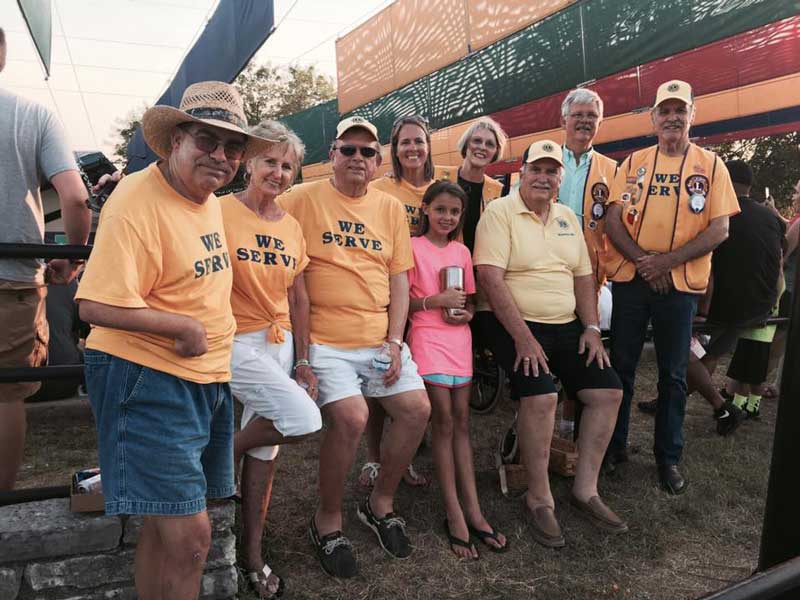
column 32, row 142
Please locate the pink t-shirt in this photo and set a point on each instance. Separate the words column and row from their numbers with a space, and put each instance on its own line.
column 438, row 347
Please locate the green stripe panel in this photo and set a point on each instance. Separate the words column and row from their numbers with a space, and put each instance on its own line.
column 588, row 40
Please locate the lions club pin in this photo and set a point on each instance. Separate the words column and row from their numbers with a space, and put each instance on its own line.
column 697, row 187
column 632, row 216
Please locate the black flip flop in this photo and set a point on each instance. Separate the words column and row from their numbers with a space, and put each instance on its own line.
column 454, row 541
column 483, row 536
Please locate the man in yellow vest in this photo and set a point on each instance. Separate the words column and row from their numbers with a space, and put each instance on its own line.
column 584, row 188
column 669, row 209
column 588, row 175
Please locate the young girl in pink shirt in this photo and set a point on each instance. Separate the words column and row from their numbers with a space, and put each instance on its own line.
column 441, row 345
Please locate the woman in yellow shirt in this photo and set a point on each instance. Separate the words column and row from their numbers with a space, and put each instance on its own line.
column 412, row 167
column 270, row 303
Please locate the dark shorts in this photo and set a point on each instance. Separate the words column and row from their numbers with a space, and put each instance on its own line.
column 23, row 337
column 750, row 362
column 560, row 344
column 723, row 339
column 165, row 444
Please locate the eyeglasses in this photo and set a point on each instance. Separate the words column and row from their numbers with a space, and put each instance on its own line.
column 585, row 116
column 209, row 144
column 366, row 151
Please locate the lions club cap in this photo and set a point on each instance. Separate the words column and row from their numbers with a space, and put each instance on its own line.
column 352, row 122
column 543, row 149
column 675, row 89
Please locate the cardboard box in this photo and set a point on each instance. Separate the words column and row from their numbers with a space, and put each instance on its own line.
column 84, row 503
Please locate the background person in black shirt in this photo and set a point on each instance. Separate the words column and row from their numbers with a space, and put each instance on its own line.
column 746, row 269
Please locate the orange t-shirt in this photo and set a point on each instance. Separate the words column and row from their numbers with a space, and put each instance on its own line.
column 662, row 203
column 409, row 195
column 156, row 249
column 354, row 246
column 266, row 257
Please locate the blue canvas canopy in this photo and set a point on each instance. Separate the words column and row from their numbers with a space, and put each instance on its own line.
column 234, row 33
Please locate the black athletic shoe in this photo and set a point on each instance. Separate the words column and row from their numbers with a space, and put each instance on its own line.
column 334, row 551
column 725, row 395
column 391, row 530
column 728, row 418
column 754, row 415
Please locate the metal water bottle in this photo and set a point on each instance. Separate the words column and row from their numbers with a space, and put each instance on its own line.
column 451, row 277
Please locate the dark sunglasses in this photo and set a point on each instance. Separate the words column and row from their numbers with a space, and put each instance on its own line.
column 366, row 151
column 208, row 144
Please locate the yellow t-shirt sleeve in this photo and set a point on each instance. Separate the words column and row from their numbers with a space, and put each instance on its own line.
column 402, row 256
column 119, row 249
column 492, row 239
column 620, row 182
column 302, row 260
column 722, row 197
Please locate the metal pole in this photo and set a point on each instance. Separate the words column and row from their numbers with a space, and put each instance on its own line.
column 780, row 536
column 44, row 250
column 769, row 585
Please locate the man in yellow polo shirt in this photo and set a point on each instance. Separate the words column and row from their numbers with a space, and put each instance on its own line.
column 670, row 209
column 542, row 318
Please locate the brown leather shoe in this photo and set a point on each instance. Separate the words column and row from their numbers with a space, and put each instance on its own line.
column 545, row 527
column 599, row 514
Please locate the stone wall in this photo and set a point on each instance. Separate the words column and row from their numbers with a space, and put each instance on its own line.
column 50, row 553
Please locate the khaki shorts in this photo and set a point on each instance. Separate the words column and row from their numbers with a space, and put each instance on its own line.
column 23, row 337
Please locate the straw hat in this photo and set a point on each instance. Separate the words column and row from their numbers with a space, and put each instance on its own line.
column 211, row 102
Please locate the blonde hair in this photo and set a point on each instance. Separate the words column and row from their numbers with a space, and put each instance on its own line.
column 490, row 125
column 275, row 130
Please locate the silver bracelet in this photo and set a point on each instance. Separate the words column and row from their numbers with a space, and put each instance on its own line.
column 424, row 300
column 303, row 362
column 594, row 328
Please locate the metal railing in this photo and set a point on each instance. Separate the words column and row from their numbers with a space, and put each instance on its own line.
column 778, row 575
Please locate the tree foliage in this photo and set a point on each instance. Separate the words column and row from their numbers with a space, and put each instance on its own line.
column 775, row 161
column 124, row 128
column 271, row 93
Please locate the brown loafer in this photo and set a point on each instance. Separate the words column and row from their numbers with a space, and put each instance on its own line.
column 599, row 514
column 544, row 526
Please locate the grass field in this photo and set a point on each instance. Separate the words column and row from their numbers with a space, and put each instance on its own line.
column 677, row 548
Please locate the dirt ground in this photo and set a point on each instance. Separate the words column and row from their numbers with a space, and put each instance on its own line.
column 677, row 547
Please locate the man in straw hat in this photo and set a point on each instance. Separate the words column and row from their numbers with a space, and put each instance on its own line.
column 359, row 250
column 541, row 320
column 669, row 209
column 157, row 290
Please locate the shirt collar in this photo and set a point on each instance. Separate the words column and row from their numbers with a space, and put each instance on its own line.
column 569, row 157
column 521, row 209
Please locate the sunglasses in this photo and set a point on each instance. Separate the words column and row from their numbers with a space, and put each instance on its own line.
column 366, row 151
column 209, row 144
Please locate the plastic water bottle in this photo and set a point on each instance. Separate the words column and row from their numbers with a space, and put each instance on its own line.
column 380, row 364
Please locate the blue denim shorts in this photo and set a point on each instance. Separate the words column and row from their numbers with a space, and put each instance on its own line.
column 165, row 444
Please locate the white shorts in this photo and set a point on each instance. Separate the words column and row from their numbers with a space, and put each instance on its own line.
column 261, row 382
column 343, row 372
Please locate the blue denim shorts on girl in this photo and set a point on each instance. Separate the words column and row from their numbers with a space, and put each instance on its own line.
column 447, row 381
column 165, row 444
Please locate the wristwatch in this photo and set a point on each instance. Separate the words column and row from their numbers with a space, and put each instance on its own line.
column 397, row 341
column 594, row 328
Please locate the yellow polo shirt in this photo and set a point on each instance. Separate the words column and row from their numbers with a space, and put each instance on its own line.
column 540, row 260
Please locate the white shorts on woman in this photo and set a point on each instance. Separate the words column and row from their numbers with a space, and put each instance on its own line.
column 261, row 381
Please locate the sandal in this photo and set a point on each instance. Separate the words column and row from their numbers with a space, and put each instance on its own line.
column 454, row 541
column 369, row 473
column 259, row 583
column 414, row 479
column 484, row 536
